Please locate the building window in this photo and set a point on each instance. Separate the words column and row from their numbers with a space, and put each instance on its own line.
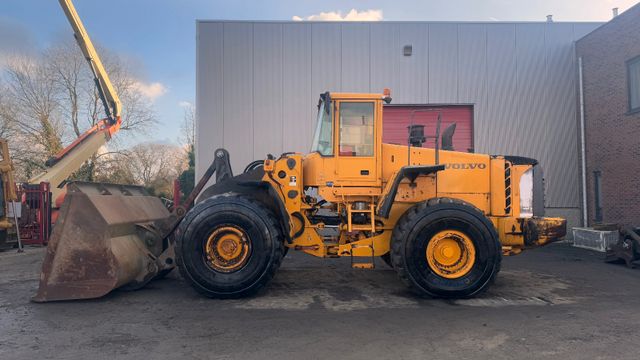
column 597, row 195
column 356, row 128
column 633, row 77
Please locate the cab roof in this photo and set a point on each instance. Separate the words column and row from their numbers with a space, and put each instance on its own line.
column 341, row 95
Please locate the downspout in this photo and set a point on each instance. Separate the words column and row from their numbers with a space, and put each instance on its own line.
column 585, row 217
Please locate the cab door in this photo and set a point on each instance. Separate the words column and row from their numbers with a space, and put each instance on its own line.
column 358, row 145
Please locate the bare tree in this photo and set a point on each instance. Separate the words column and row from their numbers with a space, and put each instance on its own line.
column 151, row 165
column 32, row 92
column 52, row 99
column 81, row 100
column 7, row 114
column 72, row 79
column 137, row 110
column 188, row 126
column 24, row 168
column 83, row 105
column 188, row 138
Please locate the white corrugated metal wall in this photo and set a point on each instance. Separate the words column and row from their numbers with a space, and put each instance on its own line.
column 258, row 84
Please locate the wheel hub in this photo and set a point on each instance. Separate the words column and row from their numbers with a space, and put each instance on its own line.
column 227, row 249
column 450, row 254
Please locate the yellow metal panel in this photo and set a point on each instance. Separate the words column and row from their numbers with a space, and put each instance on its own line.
column 362, row 247
column 424, row 188
column 318, row 169
column 497, row 187
column 509, row 230
column 289, row 184
column 341, row 191
column 289, row 180
column 355, row 96
column 464, row 173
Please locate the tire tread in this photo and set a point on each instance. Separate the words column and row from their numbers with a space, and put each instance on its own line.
column 402, row 229
column 274, row 229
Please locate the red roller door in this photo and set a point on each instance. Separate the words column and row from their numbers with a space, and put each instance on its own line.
column 398, row 117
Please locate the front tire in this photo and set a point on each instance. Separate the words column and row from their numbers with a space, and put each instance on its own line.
column 229, row 246
column 446, row 248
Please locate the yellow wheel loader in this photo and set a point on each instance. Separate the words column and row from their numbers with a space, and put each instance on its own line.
column 442, row 219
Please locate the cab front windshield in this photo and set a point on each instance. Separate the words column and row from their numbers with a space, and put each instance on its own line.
column 323, row 137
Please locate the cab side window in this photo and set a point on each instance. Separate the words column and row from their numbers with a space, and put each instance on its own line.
column 356, row 128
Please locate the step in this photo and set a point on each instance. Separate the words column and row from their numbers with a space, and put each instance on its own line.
column 367, row 266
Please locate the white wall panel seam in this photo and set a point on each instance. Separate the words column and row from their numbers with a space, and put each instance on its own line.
column 370, row 80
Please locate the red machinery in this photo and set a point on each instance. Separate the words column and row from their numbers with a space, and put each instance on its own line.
column 35, row 219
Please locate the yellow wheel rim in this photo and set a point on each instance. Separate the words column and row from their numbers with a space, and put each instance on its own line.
column 451, row 254
column 227, row 249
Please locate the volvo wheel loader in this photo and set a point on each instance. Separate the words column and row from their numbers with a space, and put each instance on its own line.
column 442, row 219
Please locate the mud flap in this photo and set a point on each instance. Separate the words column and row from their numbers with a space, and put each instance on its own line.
column 106, row 237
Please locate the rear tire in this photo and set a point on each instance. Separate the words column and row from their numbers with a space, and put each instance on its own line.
column 229, row 246
column 477, row 256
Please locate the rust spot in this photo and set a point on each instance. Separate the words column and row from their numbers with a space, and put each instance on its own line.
column 543, row 231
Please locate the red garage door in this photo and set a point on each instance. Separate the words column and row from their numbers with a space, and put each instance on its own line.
column 398, row 117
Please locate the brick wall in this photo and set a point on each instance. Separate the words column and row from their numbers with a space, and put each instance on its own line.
column 612, row 133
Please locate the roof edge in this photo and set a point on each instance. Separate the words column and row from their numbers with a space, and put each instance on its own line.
column 198, row 21
column 608, row 22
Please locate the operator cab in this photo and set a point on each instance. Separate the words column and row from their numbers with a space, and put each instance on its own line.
column 348, row 138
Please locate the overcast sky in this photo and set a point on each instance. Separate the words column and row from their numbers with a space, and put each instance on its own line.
column 159, row 35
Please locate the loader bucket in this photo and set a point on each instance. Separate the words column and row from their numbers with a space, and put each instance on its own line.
column 106, row 236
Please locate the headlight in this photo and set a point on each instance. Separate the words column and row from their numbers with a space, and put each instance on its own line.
column 526, row 194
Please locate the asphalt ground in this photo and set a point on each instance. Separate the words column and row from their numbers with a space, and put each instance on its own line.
column 557, row 302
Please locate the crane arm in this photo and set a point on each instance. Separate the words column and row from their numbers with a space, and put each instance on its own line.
column 71, row 158
column 107, row 92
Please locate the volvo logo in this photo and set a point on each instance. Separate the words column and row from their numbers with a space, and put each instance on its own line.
column 465, row 166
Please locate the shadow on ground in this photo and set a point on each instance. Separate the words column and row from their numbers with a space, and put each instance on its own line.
column 547, row 303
